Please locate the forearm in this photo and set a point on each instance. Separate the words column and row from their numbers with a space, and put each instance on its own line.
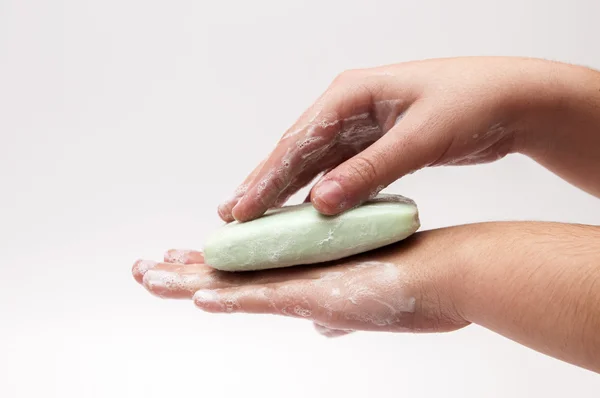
column 538, row 284
column 564, row 137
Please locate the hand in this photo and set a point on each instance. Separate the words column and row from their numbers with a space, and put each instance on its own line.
column 385, row 290
column 373, row 126
column 536, row 283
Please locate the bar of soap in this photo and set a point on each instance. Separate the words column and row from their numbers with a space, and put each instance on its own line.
column 299, row 234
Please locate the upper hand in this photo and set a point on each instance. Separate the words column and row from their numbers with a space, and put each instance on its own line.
column 373, row 126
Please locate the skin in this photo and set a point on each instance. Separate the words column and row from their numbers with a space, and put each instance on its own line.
column 536, row 283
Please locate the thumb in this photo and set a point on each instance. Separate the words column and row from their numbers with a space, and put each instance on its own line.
column 411, row 144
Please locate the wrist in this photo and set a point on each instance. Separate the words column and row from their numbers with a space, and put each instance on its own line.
column 440, row 286
column 473, row 249
column 557, row 101
column 535, row 283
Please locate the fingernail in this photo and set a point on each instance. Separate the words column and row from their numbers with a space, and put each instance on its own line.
column 226, row 206
column 224, row 210
column 237, row 213
column 234, row 213
column 205, row 296
column 208, row 300
column 157, row 282
column 141, row 267
column 330, row 193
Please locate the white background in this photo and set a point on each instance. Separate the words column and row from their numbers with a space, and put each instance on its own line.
column 124, row 123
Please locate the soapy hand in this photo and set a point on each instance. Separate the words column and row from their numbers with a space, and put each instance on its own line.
column 535, row 283
column 386, row 290
column 373, row 126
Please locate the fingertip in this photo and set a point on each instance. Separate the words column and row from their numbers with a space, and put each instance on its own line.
column 329, row 198
column 259, row 199
column 224, row 211
column 237, row 214
column 243, row 213
column 140, row 268
column 153, row 282
column 324, row 208
column 160, row 284
column 208, row 301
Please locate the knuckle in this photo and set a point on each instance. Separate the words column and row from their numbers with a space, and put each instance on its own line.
column 364, row 169
column 271, row 187
column 279, row 184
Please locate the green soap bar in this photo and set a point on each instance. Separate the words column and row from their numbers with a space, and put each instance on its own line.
column 298, row 234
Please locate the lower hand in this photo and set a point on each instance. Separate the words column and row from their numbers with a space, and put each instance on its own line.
column 400, row 288
column 535, row 283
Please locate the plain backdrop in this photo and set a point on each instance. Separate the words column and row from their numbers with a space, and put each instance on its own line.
column 124, row 123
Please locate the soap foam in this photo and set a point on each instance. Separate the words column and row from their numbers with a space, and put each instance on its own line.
column 177, row 256
column 164, row 282
column 364, row 295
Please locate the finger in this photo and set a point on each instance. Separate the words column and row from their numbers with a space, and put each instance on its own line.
column 330, row 302
column 140, row 267
column 258, row 300
column 224, row 209
column 410, row 145
column 286, row 164
column 315, row 137
column 289, row 298
column 329, row 332
column 179, row 281
column 183, row 256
